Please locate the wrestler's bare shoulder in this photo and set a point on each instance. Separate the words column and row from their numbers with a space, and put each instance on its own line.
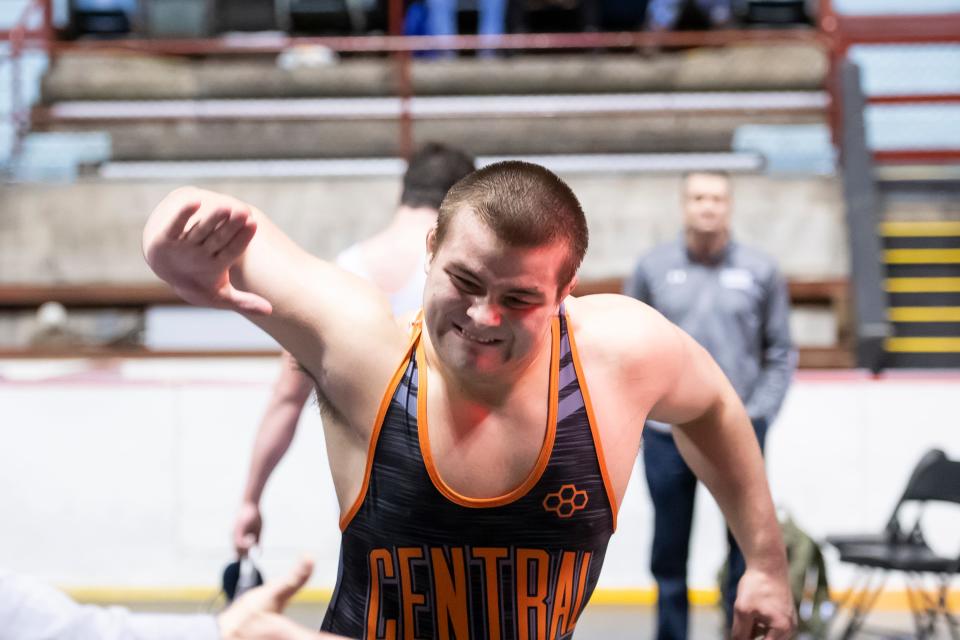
column 617, row 321
column 620, row 329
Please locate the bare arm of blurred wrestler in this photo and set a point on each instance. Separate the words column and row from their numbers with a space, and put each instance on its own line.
column 638, row 354
column 277, row 427
column 217, row 251
column 31, row 610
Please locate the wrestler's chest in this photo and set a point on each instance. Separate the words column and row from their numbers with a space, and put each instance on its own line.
column 490, row 458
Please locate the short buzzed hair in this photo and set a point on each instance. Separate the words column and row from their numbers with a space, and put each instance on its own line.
column 525, row 205
column 432, row 170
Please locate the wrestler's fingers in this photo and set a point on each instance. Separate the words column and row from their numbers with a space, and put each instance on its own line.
column 237, row 244
column 762, row 632
column 222, row 235
column 206, row 225
column 779, row 630
column 179, row 222
column 742, row 625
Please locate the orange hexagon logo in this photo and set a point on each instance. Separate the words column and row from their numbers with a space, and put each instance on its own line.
column 565, row 502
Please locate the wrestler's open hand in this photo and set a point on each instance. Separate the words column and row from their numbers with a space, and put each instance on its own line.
column 192, row 239
column 764, row 607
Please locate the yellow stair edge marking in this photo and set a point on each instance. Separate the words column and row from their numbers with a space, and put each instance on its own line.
column 921, row 256
column 922, row 345
column 910, row 229
column 922, row 285
column 889, row 600
column 924, row 314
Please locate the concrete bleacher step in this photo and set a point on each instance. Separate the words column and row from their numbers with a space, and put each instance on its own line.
column 754, row 67
column 700, row 102
column 652, row 163
column 369, row 127
column 922, row 261
column 256, row 107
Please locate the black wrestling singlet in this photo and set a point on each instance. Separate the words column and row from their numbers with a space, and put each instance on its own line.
column 417, row 560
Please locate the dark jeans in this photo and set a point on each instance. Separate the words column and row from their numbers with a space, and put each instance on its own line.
column 673, row 488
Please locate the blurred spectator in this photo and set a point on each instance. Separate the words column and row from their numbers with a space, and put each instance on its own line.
column 103, row 17
column 621, row 15
column 589, row 12
column 732, row 300
column 665, row 15
column 358, row 10
column 442, row 19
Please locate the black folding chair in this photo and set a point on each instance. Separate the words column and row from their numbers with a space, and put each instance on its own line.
column 902, row 548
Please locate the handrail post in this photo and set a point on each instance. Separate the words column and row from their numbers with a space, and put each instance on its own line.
column 836, row 54
column 404, row 81
column 866, row 252
column 49, row 37
column 16, row 117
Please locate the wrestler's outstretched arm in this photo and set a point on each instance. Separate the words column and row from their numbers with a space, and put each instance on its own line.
column 715, row 437
column 217, row 251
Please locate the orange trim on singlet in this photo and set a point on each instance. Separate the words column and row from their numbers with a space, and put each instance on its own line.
column 591, row 418
column 378, row 424
column 545, row 451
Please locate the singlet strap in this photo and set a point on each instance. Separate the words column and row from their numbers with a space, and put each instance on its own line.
column 592, row 420
column 416, row 327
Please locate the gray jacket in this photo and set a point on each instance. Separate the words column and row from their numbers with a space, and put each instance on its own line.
column 738, row 309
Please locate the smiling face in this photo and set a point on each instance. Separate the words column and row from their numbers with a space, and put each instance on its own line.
column 487, row 304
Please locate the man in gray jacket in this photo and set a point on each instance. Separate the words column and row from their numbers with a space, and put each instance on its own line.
column 733, row 301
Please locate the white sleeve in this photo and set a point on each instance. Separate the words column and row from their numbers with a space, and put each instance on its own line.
column 32, row 610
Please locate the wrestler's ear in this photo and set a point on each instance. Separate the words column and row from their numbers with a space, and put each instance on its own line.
column 568, row 289
column 431, row 247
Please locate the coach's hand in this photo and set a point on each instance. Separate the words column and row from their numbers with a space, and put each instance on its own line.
column 192, row 239
column 764, row 607
column 247, row 527
column 258, row 613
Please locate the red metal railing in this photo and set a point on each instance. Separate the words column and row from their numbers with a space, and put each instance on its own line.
column 846, row 31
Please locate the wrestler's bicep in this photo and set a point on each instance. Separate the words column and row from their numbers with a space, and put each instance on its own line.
column 693, row 383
